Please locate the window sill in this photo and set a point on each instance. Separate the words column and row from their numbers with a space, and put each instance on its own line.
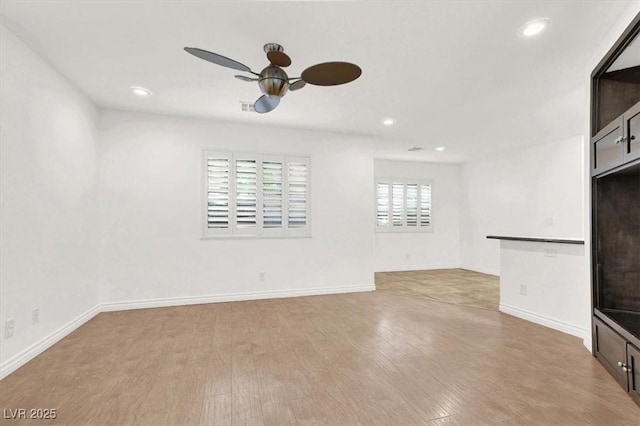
column 428, row 230
column 253, row 237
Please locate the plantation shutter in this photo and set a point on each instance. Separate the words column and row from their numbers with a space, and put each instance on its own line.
column 412, row 204
column 256, row 195
column 297, row 195
column 425, row 205
column 397, row 200
column 217, row 169
column 246, row 194
column 272, row 198
column 382, row 203
column 403, row 205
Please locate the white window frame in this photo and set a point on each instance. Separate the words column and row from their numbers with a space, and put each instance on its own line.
column 232, row 231
column 404, row 228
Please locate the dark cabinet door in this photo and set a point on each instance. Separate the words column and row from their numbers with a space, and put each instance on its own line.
column 607, row 147
column 633, row 371
column 632, row 133
column 611, row 351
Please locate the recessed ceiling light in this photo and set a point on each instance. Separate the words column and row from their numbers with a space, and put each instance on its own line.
column 140, row 91
column 534, row 27
column 388, row 121
column 440, row 148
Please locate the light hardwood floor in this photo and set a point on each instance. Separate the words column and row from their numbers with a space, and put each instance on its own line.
column 364, row 358
column 457, row 286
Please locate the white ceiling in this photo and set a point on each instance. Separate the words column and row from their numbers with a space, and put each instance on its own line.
column 451, row 73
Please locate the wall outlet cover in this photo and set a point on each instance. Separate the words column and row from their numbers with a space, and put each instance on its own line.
column 9, row 327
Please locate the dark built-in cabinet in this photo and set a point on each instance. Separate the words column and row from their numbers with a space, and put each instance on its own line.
column 617, row 143
column 615, row 185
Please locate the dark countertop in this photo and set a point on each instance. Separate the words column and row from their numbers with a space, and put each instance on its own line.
column 536, row 240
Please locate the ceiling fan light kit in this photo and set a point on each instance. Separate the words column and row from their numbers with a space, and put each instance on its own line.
column 274, row 81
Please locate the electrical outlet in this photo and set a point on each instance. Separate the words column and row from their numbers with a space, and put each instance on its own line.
column 548, row 220
column 35, row 316
column 262, row 276
column 523, row 289
column 550, row 252
column 408, row 256
column 9, row 326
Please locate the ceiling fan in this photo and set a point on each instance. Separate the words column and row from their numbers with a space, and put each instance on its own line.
column 274, row 81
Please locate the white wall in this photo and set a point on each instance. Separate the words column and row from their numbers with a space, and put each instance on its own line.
column 151, row 195
column 555, row 292
column 531, row 192
column 423, row 250
column 49, row 234
column 535, row 191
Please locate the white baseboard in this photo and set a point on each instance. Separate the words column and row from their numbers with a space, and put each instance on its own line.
column 413, row 268
column 482, row 269
column 20, row 359
column 232, row 297
column 544, row 320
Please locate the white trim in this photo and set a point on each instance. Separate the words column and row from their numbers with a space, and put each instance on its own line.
column 414, row 268
column 381, row 229
column 481, row 269
column 20, row 359
column 232, row 297
column 255, row 237
column 555, row 324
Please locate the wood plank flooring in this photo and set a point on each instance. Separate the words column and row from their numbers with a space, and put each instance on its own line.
column 353, row 359
column 456, row 286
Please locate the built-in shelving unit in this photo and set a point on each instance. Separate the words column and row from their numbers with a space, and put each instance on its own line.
column 615, row 208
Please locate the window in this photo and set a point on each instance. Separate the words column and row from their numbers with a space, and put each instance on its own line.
column 403, row 205
column 256, row 195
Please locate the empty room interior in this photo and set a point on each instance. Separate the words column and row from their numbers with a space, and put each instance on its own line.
column 346, row 213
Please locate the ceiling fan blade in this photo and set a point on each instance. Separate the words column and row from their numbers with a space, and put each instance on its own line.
column 217, row 59
column 278, row 58
column 245, row 78
column 297, row 85
column 266, row 104
column 331, row 73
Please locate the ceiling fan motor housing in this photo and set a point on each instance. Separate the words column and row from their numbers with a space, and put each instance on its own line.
column 273, row 81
